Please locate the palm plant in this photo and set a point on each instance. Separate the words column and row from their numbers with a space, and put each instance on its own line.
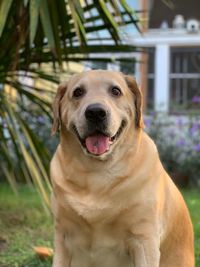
column 33, row 32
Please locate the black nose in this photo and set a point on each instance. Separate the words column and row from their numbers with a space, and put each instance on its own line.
column 95, row 113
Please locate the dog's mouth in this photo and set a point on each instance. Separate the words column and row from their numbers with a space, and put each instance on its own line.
column 98, row 143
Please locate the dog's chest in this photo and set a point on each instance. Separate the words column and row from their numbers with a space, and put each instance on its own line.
column 92, row 208
column 99, row 244
column 99, row 250
column 97, row 238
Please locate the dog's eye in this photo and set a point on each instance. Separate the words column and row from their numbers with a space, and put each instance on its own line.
column 116, row 91
column 78, row 92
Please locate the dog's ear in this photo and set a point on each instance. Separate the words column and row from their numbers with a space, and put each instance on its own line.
column 56, row 107
column 138, row 100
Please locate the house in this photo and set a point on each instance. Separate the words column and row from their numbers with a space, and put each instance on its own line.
column 168, row 71
column 171, row 72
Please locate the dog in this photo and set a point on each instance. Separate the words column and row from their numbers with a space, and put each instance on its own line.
column 113, row 202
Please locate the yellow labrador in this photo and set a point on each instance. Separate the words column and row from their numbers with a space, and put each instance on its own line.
column 113, row 202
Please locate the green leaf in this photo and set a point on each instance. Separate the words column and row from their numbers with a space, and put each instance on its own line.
column 75, row 22
column 11, row 179
column 29, row 160
column 108, row 15
column 34, row 17
column 26, row 131
column 126, row 6
column 79, row 10
column 46, row 23
column 26, row 2
column 53, row 11
column 4, row 9
column 82, row 29
column 35, row 174
column 132, row 14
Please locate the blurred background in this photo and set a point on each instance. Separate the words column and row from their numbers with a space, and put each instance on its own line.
column 44, row 42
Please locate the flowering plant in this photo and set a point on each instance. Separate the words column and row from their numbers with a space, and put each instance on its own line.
column 178, row 142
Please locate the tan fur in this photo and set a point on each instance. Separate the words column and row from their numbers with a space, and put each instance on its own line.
column 121, row 208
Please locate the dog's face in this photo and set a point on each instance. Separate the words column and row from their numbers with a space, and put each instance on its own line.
column 98, row 107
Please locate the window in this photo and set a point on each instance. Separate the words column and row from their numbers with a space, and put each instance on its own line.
column 127, row 67
column 151, row 78
column 102, row 65
column 185, row 79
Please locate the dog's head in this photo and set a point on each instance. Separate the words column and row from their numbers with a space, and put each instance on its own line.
column 98, row 107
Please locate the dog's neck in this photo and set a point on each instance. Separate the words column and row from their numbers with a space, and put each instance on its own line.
column 98, row 177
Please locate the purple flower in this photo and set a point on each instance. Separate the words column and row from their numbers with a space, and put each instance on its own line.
column 195, row 127
column 196, row 99
column 41, row 119
column 181, row 142
column 172, row 133
column 197, row 147
column 152, row 113
column 179, row 122
column 147, row 123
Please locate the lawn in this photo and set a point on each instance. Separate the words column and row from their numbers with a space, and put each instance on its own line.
column 192, row 198
column 24, row 223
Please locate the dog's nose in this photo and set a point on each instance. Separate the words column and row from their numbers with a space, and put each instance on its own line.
column 95, row 112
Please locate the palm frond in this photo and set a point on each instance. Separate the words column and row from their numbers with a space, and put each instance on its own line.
column 54, row 27
column 22, row 141
column 34, row 32
column 4, row 10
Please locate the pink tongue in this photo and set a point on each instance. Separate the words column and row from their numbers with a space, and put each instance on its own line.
column 97, row 144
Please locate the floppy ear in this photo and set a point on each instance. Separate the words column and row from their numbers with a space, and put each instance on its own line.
column 56, row 107
column 138, row 100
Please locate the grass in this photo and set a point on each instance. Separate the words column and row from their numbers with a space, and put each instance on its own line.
column 192, row 198
column 25, row 224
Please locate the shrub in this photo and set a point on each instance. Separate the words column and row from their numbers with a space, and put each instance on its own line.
column 178, row 142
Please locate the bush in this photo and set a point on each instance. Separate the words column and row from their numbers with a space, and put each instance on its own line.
column 178, row 142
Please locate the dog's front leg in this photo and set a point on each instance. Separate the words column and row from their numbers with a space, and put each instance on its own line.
column 144, row 252
column 62, row 257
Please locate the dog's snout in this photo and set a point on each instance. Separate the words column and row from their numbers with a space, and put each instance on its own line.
column 95, row 112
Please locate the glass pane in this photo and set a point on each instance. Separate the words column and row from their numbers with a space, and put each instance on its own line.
column 185, row 79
